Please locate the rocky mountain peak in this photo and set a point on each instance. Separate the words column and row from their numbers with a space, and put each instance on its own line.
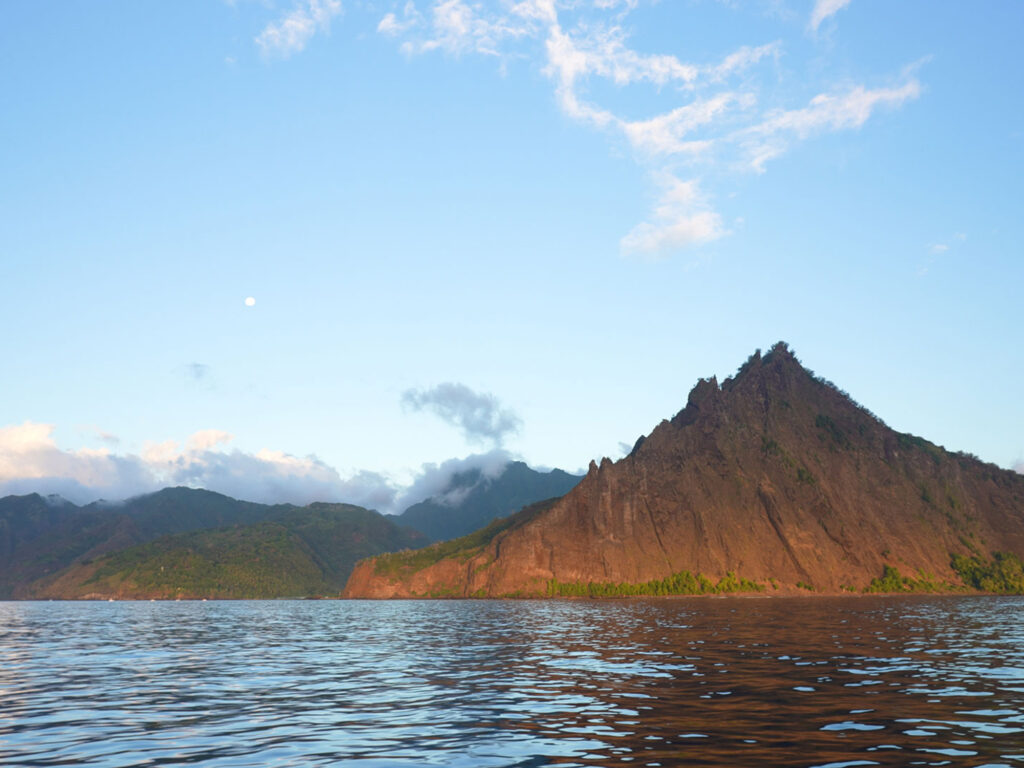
column 776, row 475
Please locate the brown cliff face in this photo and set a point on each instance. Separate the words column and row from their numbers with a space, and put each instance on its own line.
column 774, row 475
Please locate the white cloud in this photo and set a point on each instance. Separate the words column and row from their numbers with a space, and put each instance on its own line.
column 665, row 134
column 706, row 120
column 608, row 5
column 207, row 439
column 293, row 31
column 826, row 112
column 940, row 249
column 31, row 461
column 457, row 27
column 603, row 52
column 823, row 9
column 1019, row 467
column 744, row 58
column 681, row 218
column 434, row 480
column 391, row 26
column 837, row 111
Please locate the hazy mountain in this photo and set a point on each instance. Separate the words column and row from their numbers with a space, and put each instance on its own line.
column 774, row 480
column 473, row 498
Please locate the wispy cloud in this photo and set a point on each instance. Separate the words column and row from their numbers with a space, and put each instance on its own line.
column 681, row 218
column 107, row 438
column 1019, row 467
column 392, row 26
column 938, row 249
column 478, row 415
column 847, row 110
column 823, row 9
column 290, row 33
column 744, row 58
column 716, row 127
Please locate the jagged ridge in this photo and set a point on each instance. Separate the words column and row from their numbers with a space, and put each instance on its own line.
column 775, row 475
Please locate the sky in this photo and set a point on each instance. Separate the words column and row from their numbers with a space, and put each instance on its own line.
column 298, row 250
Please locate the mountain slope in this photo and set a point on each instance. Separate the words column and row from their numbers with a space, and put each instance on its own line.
column 47, row 541
column 472, row 500
column 298, row 552
column 40, row 536
column 776, row 476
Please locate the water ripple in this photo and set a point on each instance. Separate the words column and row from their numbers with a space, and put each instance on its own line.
column 701, row 682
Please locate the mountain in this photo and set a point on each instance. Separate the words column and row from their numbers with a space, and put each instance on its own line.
column 48, row 541
column 472, row 499
column 774, row 480
column 299, row 552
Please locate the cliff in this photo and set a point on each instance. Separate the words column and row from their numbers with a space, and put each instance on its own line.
column 774, row 479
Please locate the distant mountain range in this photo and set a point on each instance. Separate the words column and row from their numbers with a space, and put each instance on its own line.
column 472, row 499
column 183, row 542
column 773, row 481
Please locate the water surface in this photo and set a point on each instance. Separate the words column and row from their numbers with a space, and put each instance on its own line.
column 689, row 681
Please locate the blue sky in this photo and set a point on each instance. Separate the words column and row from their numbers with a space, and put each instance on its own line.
column 524, row 227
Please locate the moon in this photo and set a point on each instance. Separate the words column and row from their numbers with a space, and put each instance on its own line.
column 250, row 301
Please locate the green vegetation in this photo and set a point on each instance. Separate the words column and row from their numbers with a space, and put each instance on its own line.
column 893, row 581
column 1003, row 574
column 246, row 562
column 682, row 583
column 805, row 585
column 750, row 361
column 301, row 552
column 397, row 564
column 803, row 475
column 907, row 442
column 926, row 496
column 187, row 542
column 834, row 431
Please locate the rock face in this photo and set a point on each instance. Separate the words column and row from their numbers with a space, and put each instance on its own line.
column 774, row 475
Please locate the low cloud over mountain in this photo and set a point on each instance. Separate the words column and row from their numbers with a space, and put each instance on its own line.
column 31, row 461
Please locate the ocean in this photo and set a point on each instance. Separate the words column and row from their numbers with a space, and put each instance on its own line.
column 891, row 681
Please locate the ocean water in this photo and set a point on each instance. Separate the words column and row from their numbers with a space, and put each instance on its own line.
column 688, row 681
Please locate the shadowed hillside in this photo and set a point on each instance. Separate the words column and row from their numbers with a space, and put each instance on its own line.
column 185, row 542
column 307, row 551
column 472, row 499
